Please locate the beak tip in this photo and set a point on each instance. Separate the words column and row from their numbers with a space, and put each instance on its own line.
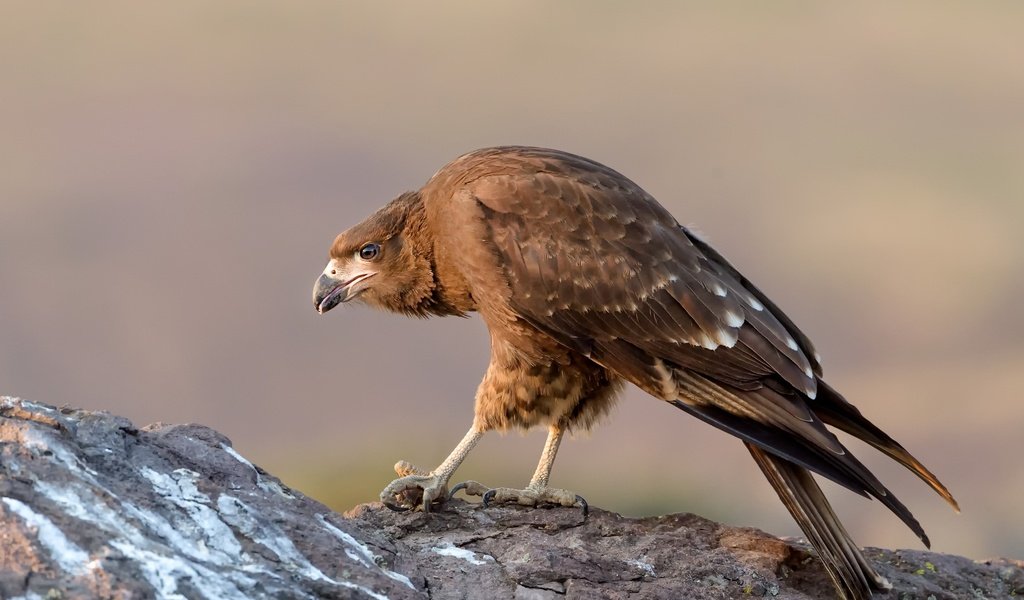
column 326, row 303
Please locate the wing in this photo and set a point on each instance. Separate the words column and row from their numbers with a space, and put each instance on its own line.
column 592, row 258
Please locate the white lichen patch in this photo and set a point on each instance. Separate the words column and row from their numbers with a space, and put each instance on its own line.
column 74, row 505
column 179, row 536
column 12, row 401
column 450, row 549
column 217, row 542
column 161, row 564
column 65, row 553
column 205, row 553
column 359, row 552
column 163, row 572
column 41, row 442
column 646, row 567
column 267, row 486
column 363, row 589
column 245, row 520
column 178, row 487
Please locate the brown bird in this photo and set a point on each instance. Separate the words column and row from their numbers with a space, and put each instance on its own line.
column 586, row 282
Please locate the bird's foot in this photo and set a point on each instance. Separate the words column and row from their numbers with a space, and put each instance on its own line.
column 531, row 496
column 414, row 487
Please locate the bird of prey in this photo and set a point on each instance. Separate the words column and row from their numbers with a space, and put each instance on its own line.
column 586, row 282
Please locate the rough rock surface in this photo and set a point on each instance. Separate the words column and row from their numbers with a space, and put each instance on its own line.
column 91, row 507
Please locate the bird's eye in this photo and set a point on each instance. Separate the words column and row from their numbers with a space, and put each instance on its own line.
column 369, row 251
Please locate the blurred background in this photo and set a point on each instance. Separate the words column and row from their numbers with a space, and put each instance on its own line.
column 172, row 175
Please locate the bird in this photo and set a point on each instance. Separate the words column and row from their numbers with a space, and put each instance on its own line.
column 586, row 283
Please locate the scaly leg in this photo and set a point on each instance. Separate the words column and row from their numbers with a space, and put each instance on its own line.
column 402, row 493
column 537, row 492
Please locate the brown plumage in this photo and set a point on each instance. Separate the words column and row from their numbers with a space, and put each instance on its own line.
column 586, row 282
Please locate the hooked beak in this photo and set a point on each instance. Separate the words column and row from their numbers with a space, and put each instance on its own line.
column 329, row 292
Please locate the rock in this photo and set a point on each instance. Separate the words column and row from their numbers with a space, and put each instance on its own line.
column 91, row 507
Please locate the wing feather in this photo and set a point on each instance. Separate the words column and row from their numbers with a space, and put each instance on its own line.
column 573, row 239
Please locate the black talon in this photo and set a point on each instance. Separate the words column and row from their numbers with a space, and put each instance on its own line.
column 395, row 507
column 488, row 496
column 458, row 487
column 586, row 507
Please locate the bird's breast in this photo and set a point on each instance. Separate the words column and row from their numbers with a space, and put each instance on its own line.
column 521, row 393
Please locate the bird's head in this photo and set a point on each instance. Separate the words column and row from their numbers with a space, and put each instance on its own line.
column 382, row 261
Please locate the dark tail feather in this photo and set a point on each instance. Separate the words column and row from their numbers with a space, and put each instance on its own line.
column 849, row 569
column 832, row 408
column 843, row 469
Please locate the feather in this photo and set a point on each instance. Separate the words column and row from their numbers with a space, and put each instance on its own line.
column 833, row 409
column 847, row 566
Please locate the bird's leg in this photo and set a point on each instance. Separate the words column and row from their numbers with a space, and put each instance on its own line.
column 537, row 492
column 547, row 458
column 416, row 485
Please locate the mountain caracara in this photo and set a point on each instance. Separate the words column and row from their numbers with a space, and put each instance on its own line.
column 586, row 282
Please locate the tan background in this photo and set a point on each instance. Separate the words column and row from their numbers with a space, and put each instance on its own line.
column 172, row 174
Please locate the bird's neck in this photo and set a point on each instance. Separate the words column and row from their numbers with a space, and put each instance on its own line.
column 443, row 292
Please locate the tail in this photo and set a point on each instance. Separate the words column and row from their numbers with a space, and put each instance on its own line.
column 832, row 408
column 847, row 566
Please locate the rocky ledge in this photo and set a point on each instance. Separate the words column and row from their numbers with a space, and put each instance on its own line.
column 93, row 507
